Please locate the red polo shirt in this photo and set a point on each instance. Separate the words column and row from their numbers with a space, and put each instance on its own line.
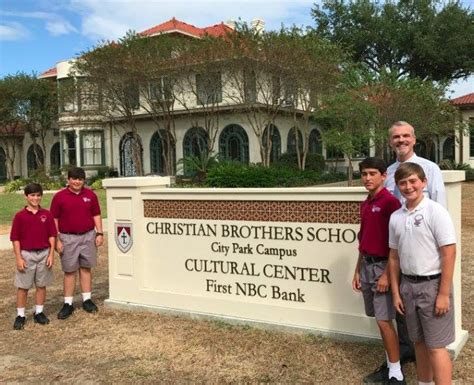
column 75, row 212
column 33, row 230
column 374, row 218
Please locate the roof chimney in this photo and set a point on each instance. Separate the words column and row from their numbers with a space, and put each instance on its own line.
column 258, row 25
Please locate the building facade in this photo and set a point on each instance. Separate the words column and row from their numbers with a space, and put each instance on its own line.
column 88, row 139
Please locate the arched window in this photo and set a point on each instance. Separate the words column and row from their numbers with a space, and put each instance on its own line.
column 158, row 149
column 34, row 158
column 55, row 158
column 234, row 143
column 195, row 142
column 3, row 165
column 128, row 143
column 448, row 148
column 291, row 143
column 271, row 136
column 425, row 149
column 315, row 142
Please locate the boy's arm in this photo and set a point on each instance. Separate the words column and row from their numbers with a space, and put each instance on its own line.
column 59, row 244
column 448, row 258
column 20, row 262
column 356, row 279
column 394, row 271
column 383, row 283
column 52, row 244
column 99, row 239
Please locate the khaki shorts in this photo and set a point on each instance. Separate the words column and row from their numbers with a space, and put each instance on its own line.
column 36, row 271
column 422, row 323
column 78, row 251
column 378, row 305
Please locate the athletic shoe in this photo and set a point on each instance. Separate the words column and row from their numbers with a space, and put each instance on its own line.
column 66, row 311
column 19, row 322
column 41, row 319
column 89, row 306
column 379, row 375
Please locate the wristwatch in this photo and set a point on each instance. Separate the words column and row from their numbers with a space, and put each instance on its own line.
column 98, row 233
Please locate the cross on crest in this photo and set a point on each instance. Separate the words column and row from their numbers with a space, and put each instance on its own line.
column 123, row 236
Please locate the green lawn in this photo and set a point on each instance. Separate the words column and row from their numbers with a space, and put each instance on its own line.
column 13, row 202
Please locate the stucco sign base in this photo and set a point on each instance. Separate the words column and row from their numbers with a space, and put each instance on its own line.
column 273, row 258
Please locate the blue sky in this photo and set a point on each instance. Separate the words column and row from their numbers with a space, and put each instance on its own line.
column 35, row 34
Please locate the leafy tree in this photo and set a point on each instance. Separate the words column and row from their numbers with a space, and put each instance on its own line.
column 279, row 73
column 347, row 117
column 107, row 70
column 429, row 39
column 30, row 104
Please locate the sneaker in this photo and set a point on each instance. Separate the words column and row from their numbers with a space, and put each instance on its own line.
column 66, row 311
column 19, row 322
column 41, row 319
column 379, row 375
column 89, row 306
column 393, row 380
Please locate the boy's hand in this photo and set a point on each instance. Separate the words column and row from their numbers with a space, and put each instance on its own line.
column 59, row 246
column 21, row 265
column 50, row 261
column 398, row 304
column 382, row 284
column 99, row 240
column 356, row 282
column 442, row 305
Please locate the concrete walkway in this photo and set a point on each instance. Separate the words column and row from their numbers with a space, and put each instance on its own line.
column 5, row 243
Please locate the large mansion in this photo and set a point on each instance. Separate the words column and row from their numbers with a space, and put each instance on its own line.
column 92, row 142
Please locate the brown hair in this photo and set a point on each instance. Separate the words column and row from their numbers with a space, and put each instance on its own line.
column 408, row 168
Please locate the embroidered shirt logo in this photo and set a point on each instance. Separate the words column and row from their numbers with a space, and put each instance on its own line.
column 43, row 218
column 376, row 209
column 85, row 199
column 418, row 220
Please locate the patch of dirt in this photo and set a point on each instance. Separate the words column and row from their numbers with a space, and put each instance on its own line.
column 115, row 346
column 4, row 229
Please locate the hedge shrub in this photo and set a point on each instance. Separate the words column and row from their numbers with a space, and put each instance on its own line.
column 230, row 174
column 313, row 162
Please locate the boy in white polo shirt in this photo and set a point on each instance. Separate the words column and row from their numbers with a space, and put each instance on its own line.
column 422, row 244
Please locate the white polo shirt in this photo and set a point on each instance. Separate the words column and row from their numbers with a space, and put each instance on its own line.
column 418, row 235
column 435, row 187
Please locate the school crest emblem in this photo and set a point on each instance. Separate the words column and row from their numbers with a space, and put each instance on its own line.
column 123, row 236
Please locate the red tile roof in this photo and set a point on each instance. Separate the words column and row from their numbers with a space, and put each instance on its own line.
column 170, row 26
column 464, row 100
column 49, row 73
column 177, row 26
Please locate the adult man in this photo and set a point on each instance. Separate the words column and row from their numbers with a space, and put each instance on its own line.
column 402, row 140
column 76, row 212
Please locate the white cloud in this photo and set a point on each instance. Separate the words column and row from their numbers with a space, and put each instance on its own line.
column 55, row 24
column 59, row 27
column 461, row 87
column 110, row 19
column 13, row 31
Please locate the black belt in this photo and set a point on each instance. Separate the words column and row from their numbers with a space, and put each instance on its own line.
column 371, row 259
column 38, row 250
column 421, row 278
column 69, row 233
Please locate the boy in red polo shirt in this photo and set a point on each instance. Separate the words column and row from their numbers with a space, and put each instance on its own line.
column 76, row 212
column 33, row 236
column 371, row 275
